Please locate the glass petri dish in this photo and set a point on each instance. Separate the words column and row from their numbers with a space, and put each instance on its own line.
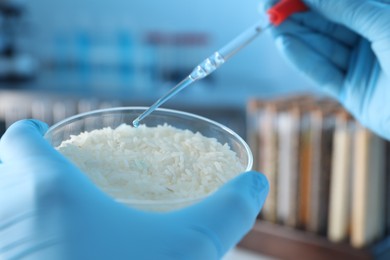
column 114, row 117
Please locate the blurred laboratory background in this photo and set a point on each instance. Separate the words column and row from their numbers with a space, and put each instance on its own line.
column 58, row 58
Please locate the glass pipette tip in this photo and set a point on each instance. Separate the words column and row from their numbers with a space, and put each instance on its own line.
column 208, row 66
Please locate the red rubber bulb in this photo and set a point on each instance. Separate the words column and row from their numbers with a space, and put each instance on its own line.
column 282, row 10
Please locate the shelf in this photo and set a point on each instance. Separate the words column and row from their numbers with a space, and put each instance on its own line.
column 287, row 243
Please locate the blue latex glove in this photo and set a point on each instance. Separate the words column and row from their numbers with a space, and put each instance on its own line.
column 50, row 210
column 343, row 46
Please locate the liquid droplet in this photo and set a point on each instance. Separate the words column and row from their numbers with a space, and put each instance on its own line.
column 136, row 123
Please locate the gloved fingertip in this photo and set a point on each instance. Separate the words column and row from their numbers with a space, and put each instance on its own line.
column 260, row 187
column 259, row 179
column 249, row 190
column 41, row 126
column 30, row 124
column 283, row 41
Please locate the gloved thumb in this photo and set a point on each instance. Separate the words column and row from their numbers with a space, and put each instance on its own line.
column 25, row 139
column 366, row 18
column 227, row 215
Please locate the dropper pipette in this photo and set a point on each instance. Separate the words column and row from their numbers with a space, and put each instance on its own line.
column 277, row 14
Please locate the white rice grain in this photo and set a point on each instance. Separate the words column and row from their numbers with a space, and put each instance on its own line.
column 152, row 163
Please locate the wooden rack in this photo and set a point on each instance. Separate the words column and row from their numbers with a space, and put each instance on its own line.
column 286, row 243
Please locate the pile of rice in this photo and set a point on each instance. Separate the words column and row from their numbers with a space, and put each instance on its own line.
column 152, row 163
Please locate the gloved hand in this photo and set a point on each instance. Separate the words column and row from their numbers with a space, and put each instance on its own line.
column 50, row 210
column 343, row 46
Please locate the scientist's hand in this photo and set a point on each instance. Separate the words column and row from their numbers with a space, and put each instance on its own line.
column 50, row 210
column 344, row 47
